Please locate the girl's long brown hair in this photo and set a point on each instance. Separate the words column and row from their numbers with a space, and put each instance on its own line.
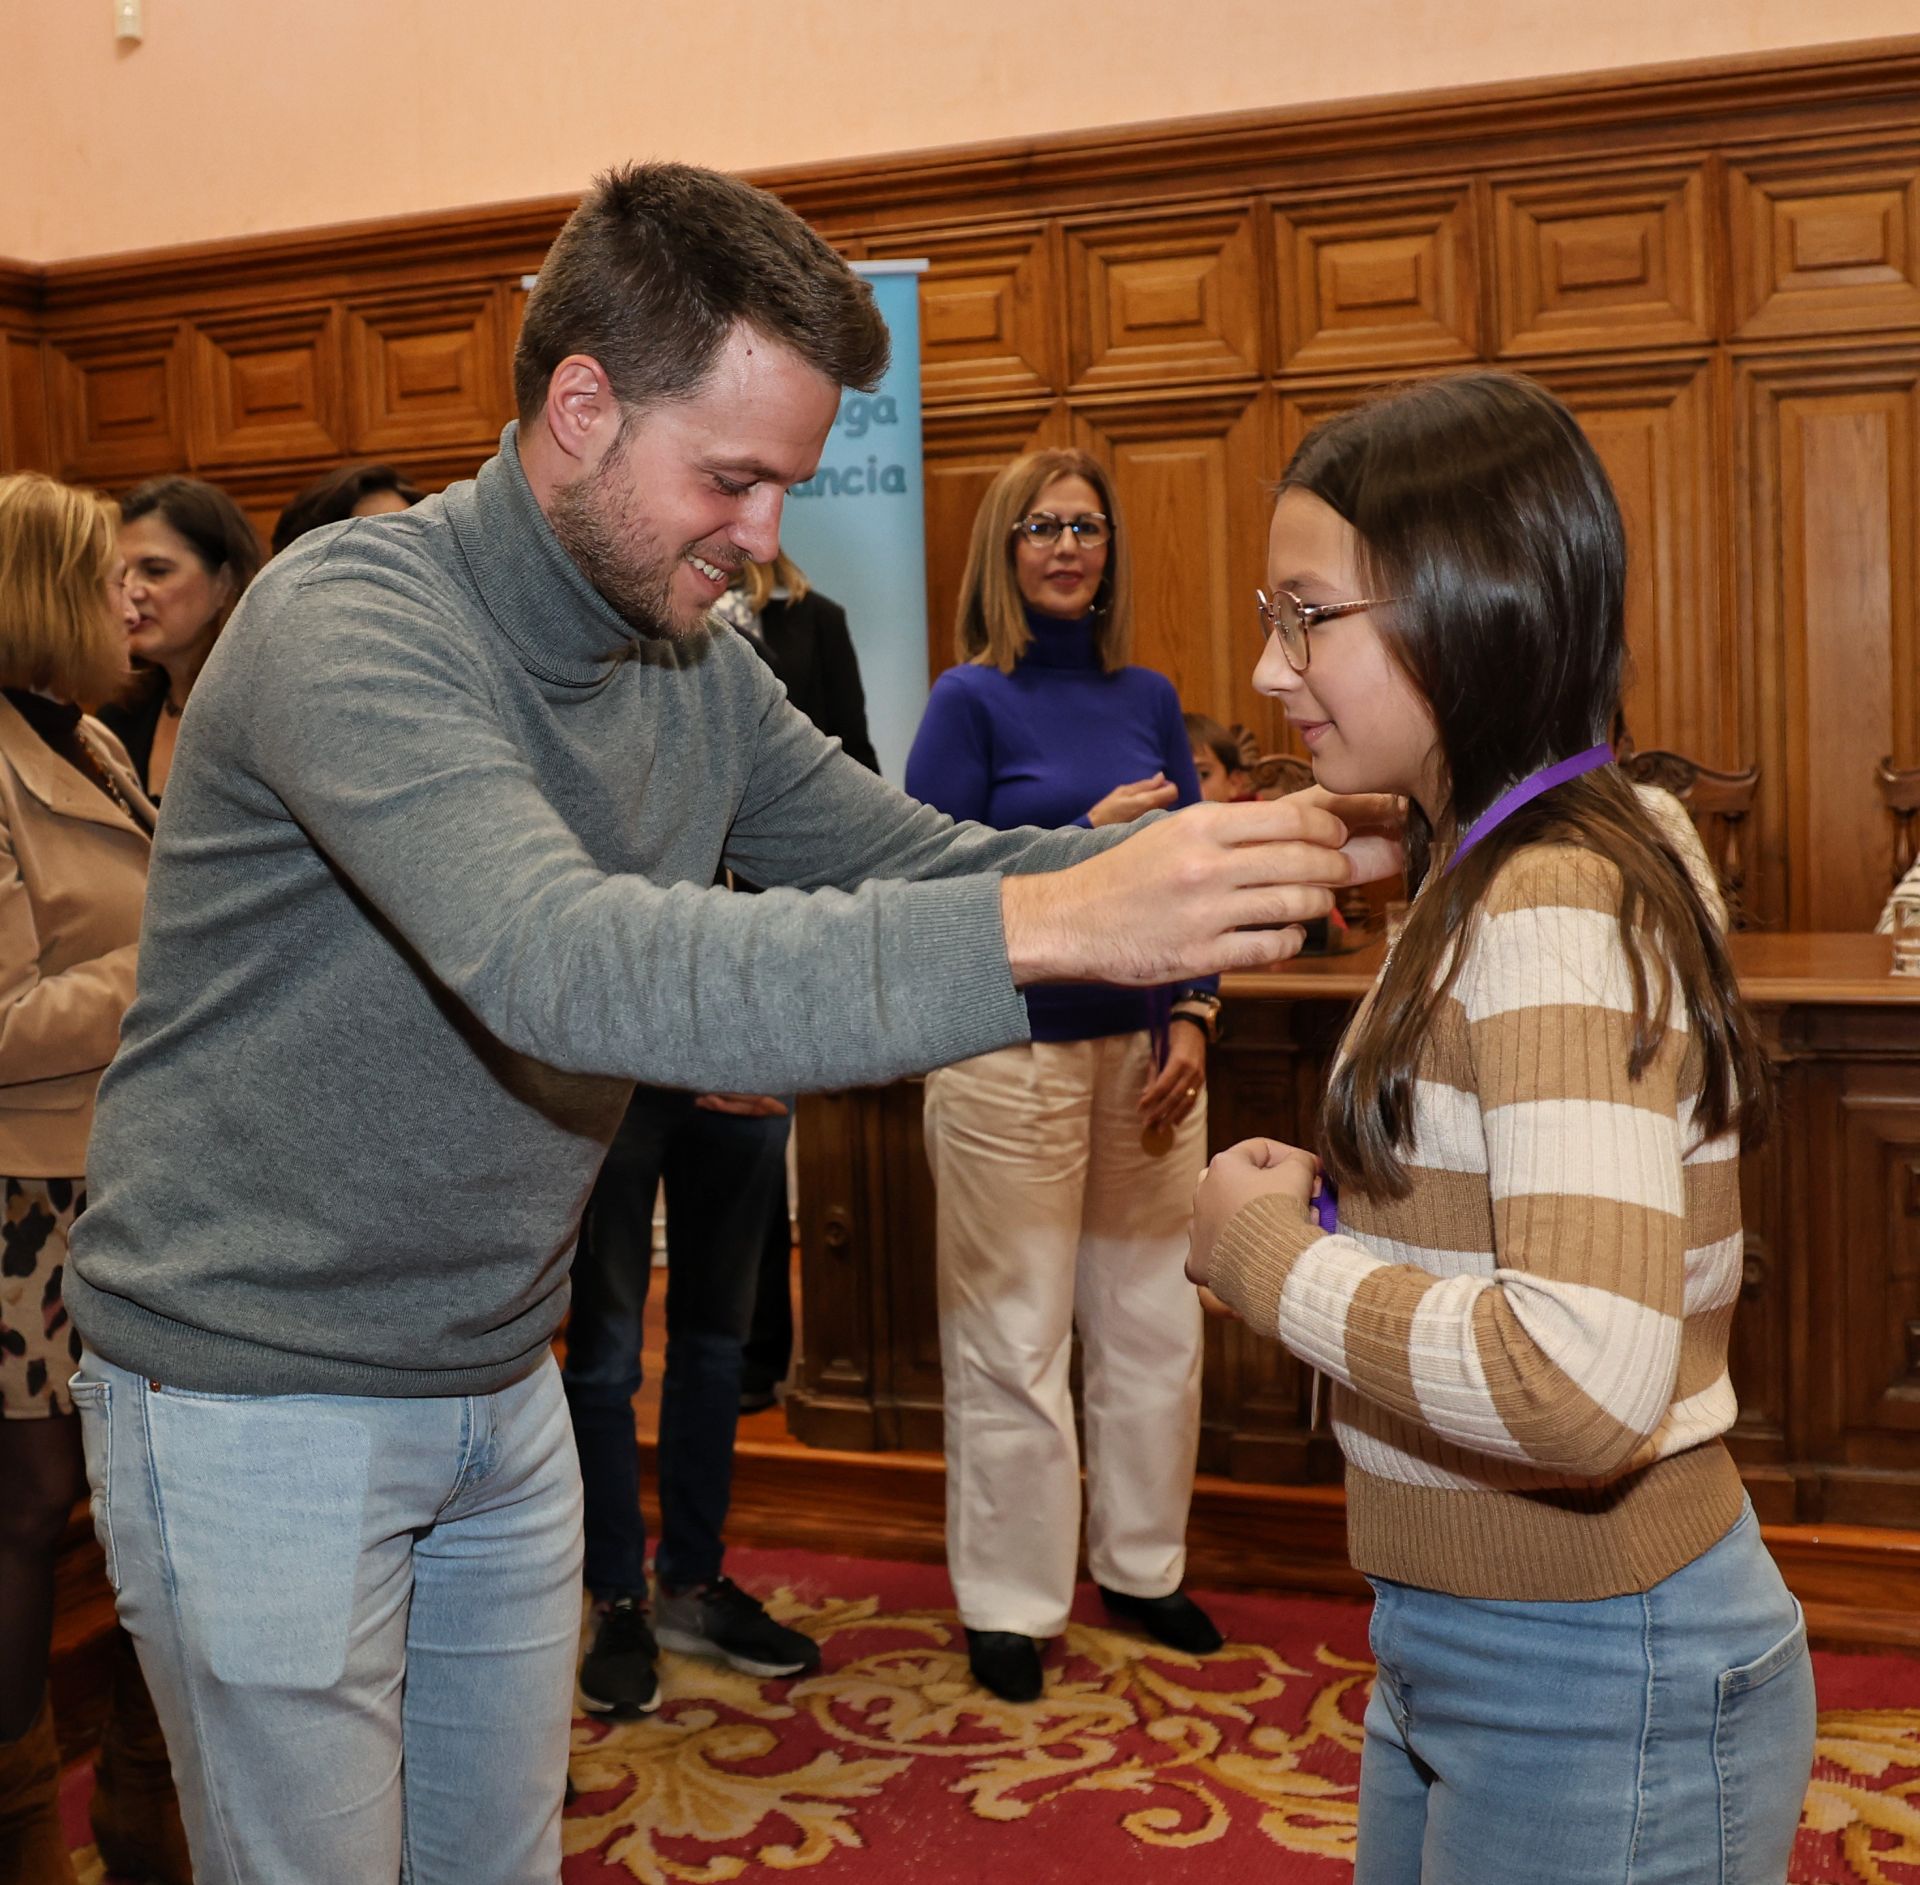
column 1483, row 511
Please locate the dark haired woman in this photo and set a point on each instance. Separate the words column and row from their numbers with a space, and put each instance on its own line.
column 1589, row 1668
column 190, row 554
column 347, row 491
column 1064, row 1168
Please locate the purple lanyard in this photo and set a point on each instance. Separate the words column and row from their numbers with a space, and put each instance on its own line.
column 1527, row 791
column 1326, row 1202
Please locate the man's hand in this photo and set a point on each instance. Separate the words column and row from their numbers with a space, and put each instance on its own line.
column 1376, row 825
column 1125, row 803
column 742, row 1105
column 1212, row 888
column 1255, row 1168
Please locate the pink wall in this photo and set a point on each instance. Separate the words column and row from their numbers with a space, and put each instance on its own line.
column 237, row 117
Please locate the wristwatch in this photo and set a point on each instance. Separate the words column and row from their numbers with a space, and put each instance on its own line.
column 1202, row 1009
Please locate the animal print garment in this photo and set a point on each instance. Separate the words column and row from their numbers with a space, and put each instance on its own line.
column 39, row 1346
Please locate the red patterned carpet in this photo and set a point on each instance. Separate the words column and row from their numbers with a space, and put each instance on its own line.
column 1139, row 1764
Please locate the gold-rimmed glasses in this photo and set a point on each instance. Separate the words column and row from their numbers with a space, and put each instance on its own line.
column 1291, row 619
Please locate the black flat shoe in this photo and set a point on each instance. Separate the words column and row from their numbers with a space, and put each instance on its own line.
column 1175, row 1620
column 1005, row 1663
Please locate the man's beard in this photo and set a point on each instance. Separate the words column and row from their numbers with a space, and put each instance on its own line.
column 616, row 551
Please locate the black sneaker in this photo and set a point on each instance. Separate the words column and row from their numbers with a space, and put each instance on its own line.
column 1175, row 1620
column 617, row 1676
column 1006, row 1663
column 721, row 1620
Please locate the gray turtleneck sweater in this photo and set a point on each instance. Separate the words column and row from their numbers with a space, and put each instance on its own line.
column 432, row 891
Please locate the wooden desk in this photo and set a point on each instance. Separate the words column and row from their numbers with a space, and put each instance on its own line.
column 1825, row 1346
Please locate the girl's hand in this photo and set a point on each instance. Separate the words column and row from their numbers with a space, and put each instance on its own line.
column 1125, row 803
column 1255, row 1168
column 1175, row 1090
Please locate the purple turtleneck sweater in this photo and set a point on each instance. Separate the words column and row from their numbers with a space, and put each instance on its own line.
column 1042, row 746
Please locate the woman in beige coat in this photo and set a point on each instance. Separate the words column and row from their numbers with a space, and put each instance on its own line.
column 75, row 831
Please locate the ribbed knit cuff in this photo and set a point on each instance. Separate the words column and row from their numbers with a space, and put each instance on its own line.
column 1256, row 1253
column 953, row 969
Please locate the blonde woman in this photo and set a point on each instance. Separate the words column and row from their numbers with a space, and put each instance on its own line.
column 1064, row 1167
column 75, row 830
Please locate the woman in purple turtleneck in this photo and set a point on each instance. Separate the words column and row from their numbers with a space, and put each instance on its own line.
column 1065, row 1168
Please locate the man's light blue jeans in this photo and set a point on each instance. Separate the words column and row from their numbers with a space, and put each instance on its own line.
column 1663, row 1738
column 358, row 1618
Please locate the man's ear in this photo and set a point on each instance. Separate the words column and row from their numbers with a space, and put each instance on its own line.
column 582, row 414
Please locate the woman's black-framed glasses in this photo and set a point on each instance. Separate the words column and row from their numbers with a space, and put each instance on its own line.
column 1042, row 529
column 1291, row 619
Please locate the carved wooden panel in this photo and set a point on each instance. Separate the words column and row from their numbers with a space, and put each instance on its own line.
column 117, row 403
column 1188, row 477
column 425, row 370
column 964, row 448
column 1825, row 245
column 990, row 324
column 24, row 441
column 1163, row 298
column 267, row 386
column 1653, row 426
column 1829, row 462
column 1604, row 260
column 1376, row 283
column 1873, row 1287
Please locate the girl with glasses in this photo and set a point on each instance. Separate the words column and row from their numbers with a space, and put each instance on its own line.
column 1521, row 1256
column 1064, row 1168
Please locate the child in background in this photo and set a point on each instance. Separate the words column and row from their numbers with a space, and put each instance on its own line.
column 1224, row 778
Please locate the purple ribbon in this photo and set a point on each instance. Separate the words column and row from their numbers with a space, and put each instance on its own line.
column 1527, row 791
column 1326, row 1202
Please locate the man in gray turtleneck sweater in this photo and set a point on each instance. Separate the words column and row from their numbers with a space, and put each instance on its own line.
column 430, row 894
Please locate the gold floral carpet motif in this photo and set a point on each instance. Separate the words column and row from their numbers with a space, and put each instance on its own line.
column 1137, row 1764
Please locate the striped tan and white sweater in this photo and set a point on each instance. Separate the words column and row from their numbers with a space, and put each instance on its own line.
column 1530, row 1349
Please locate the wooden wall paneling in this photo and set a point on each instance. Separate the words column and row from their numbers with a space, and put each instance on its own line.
column 1189, row 475
column 1830, row 465
column 991, row 321
column 117, row 399
column 1157, row 299
column 25, row 443
column 1825, row 243
column 964, row 447
column 1653, row 424
column 1590, row 261
column 425, row 369
column 1377, row 283
column 267, row 386
column 23, row 393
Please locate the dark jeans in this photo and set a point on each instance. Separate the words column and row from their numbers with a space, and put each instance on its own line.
column 769, row 1350
column 721, row 1174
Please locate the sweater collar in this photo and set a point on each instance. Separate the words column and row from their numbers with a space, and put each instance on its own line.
column 1056, row 643
column 560, row 626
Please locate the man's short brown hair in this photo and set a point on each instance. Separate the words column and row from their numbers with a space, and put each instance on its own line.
column 656, row 266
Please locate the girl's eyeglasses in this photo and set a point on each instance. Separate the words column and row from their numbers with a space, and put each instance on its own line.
column 1291, row 619
column 1042, row 529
